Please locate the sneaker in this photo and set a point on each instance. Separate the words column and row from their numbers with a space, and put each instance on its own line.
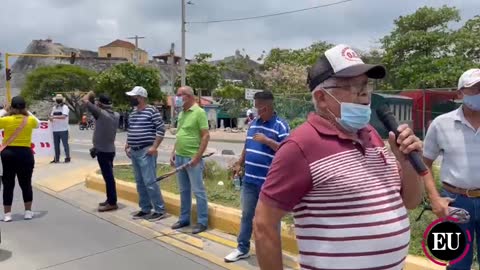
column 67, row 160
column 103, row 203
column 108, row 207
column 7, row 217
column 155, row 216
column 235, row 256
column 28, row 214
column 199, row 228
column 53, row 161
column 140, row 215
column 179, row 225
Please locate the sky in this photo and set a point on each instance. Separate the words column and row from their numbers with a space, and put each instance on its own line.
column 88, row 24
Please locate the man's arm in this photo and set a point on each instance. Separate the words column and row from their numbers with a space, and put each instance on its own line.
column 204, row 137
column 283, row 189
column 412, row 185
column 268, row 242
column 160, row 132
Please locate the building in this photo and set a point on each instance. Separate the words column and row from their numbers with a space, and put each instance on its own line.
column 123, row 49
column 401, row 107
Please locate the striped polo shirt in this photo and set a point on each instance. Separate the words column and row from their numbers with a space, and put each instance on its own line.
column 345, row 195
column 458, row 142
column 144, row 126
column 258, row 156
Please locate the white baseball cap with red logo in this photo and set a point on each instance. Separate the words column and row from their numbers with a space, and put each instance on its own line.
column 469, row 78
column 343, row 62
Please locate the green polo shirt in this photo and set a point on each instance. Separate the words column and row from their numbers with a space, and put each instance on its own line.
column 190, row 123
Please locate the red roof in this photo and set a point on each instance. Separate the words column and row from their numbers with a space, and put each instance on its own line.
column 121, row 44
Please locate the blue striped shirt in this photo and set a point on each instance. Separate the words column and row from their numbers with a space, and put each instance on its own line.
column 258, row 156
column 144, row 126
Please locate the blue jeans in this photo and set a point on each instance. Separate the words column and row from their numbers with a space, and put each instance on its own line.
column 472, row 205
column 57, row 137
column 105, row 161
column 249, row 199
column 188, row 179
column 145, row 168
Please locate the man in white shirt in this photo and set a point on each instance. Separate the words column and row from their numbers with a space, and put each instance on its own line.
column 455, row 136
column 59, row 119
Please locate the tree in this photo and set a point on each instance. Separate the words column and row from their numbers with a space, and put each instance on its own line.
column 44, row 82
column 286, row 79
column 421, row 50
column 202, row 75
column 466, row 40
column 123, row 77
column 303, row 57
column 1, row 61
column 232, row 99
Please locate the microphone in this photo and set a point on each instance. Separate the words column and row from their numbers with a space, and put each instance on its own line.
column 388, row 119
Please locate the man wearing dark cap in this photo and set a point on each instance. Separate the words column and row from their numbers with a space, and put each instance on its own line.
column 347, row 191
column 104, row 143
column 264, row 135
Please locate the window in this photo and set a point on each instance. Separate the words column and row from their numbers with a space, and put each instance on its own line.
column 109, row 55
column 405, row 112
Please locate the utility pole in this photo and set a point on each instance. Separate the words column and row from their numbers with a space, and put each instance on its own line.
column 172, row 79
column 183, row 44
column 135, row 60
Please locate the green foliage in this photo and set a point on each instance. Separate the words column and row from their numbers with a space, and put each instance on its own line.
column 201, row 75
column 296, row 122
column 44, row 82
column 302, row 57
column 231, row 98
column 291, row 107
column 422, row 51
column 123, row 77
column 286, row 79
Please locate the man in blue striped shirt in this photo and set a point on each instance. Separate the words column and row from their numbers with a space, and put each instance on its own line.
column 264, row 135
column 145, row 133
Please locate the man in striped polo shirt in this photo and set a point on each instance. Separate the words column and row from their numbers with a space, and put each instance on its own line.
column 334, row 172
column 264, row 135
column 145, row 133
column 456, row 137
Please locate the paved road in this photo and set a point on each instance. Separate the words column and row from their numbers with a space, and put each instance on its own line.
column 63, row 236
column 80, row 141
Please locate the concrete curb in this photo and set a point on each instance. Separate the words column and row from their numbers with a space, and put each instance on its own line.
column 223, row 218
column 226, row 219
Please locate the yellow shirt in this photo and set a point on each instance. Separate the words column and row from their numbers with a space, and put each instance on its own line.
column 10, row 123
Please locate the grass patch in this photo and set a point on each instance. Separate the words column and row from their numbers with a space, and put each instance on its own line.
column 227, row 195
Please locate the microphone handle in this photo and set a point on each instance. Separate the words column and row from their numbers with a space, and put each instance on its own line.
column 414, row 156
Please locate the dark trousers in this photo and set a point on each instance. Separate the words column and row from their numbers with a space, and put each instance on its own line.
column 57, row 137
column 17, row 162
column 105, row 161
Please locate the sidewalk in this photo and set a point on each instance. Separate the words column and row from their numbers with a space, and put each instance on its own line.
column 212, row 245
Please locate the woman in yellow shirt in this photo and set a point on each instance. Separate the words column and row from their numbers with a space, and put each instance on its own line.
column 17, row 157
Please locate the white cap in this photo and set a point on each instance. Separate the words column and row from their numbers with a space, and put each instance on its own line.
column 342, row 61
column 138, row 91
column 469, row 78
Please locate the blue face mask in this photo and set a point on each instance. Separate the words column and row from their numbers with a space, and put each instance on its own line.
column 178, row 102
column 353, row 117
column 472, row 102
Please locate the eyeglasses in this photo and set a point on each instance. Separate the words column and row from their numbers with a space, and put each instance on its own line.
column 355, row 88
column 472, row 91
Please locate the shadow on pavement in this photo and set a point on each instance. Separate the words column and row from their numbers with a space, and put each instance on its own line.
column 5, row 255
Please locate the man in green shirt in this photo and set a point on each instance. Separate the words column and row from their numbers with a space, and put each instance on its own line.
column 192, row 140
